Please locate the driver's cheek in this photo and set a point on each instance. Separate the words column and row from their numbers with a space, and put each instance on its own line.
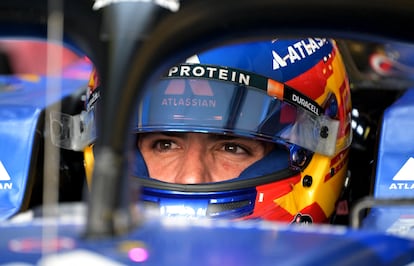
column 229, row 168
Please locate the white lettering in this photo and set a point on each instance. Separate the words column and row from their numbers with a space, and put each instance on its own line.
column 278, row 62
column 298, row 46
column 303, row 102
column 211, row 71
column 313, row 45
column 401, row 186
column 198, row 71
column 6, row 185
column 188, row 102
column 223, row 74
column 393, row 186
column 320, row 41
column 181, row 210
column 185, row 71
column 244, row 79
column 308, row 49
column 293, row 55
column 172, row 71
column 296, row 52
column 233, row 76
column 95, row 96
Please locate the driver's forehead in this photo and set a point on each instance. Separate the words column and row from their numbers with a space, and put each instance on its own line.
column 204, row 136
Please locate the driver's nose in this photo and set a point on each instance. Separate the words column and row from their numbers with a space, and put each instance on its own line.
column 195, row 167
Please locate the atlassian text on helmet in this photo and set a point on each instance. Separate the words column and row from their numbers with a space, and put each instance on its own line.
column 188, row 102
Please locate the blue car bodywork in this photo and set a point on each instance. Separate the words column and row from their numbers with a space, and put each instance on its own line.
column 23, row 100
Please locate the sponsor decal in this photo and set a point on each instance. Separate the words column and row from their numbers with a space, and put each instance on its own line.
column 201, row 94
column 297, row 52
column 182, row 211
column 187, row 101
column 404, row 179
column 93, row 96
column 210, row 72
column 303, row 101
column 189, row 72
column 5, row 179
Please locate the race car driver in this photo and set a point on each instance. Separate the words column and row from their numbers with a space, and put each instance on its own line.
column 258, row 130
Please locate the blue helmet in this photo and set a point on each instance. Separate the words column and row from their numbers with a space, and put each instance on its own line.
column 291, row 93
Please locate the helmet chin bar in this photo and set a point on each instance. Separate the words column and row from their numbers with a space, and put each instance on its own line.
column 224, row 204
column 229, row 199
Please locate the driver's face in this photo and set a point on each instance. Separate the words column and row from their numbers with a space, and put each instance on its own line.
column 191, row 158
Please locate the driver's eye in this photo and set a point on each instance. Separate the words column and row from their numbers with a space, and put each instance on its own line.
column 234, row 148
column 164, row 145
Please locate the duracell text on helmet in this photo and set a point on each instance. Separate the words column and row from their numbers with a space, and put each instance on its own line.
column 305, row 103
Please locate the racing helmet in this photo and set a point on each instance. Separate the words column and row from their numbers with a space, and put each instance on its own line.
column 292, row 93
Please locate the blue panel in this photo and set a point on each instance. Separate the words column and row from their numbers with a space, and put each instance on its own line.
column 396, row 147
column 180, row 242
column 17, row 130
column 395, row 167
column 22, row 100
column 32, row 90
